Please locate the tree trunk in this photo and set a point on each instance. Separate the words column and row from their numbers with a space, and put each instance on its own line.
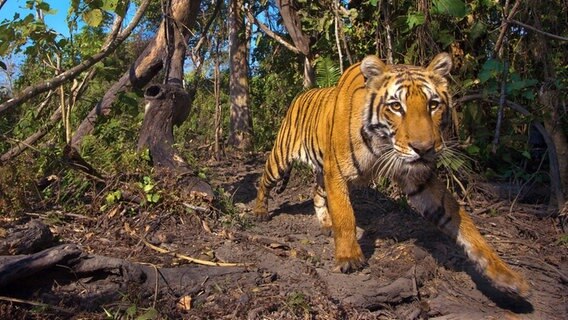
column 168, row 105
column 293, row 25
column 144, row 69
column 218, row 109
column 551, row 99
column 240, row 136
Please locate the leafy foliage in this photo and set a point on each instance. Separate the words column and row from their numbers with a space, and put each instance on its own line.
column 327, row 72
column 404, row 31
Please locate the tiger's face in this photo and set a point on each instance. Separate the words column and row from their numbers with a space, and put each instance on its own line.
column 406, row 109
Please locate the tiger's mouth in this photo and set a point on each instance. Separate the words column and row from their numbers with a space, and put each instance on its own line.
column 410, row 157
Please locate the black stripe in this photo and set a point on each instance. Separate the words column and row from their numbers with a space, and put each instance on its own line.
column 419, row 78
column 421, row 187
column 366, row 139
column 418, row 190
column 435, row 215
column 442, row 223
column 371, row 103
column 354, row 159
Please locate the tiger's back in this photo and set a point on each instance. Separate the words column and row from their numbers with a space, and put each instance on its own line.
column 302, row 130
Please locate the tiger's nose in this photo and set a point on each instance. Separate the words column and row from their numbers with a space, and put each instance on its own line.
column 423, row 148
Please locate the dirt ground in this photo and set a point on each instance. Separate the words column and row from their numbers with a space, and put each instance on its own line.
column 413, row 271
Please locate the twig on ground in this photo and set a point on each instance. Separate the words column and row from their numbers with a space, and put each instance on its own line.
column 194, row 260
column 36, row 304
column 488, row 208
column 186, row 257
column 541, row 264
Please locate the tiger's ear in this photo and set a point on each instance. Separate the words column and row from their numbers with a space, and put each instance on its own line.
column 441, row 64
column 372, row 66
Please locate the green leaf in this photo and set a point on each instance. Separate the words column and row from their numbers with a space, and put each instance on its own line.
column 131, row 311
column 129, row 98
column 445, row 38
column 415, row 19
column 114, row 196
column 516, row 84
column 327, row 72
column 491, row 69
column 477, row 30
column 3, row 65
column 151, row 314
column 148, row 187
column 93, row 18
column 109, row 5
column 258, row 39
column 456, row 8
column 153, row 197
column 526, row 154
column 473, row 150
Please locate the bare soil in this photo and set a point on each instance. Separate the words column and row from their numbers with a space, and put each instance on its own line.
column 413, row 271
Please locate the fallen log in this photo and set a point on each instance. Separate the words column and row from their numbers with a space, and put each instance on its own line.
column 95, row 271
column 28, row 238
column 29, row 265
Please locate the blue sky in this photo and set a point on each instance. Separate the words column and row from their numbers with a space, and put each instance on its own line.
column 57, row 21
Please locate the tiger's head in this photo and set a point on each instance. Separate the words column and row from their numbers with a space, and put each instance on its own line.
column 407, row 108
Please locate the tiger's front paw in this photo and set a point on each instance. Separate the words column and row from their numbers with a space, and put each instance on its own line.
column 345, row 265
column 350, row 259
column 260, row 212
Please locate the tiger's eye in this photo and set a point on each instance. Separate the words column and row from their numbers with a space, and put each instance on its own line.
column 433, row 105
column 395, row 106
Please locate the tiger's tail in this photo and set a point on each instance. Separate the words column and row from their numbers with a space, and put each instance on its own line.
column 435, row 203
column 277, row 169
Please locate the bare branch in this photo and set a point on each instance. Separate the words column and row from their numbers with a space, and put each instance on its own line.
column 58, row 80
column 194, row 56
column 76, row 93
column 115, row 28
column 272, row 34
column 336, row 27
column 505, row 24
column 550, row 35
column 502, row 102
column 29, row 141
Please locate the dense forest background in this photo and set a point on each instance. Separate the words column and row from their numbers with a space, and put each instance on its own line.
column 145, row 111
column 244, row 63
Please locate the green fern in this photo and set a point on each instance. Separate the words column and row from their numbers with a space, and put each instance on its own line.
column 327, row 72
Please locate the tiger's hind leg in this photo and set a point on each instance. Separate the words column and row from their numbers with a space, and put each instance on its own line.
column 274, row 171
column 320, row 205
column 435, row 203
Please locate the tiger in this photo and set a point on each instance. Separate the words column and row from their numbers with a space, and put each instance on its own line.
column 380, row 120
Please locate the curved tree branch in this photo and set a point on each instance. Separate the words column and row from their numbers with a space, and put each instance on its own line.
column 205, row 30
column 505, row 24
column 115, row 28
column 550, row 35
column 272, row 34
column 58, row 80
